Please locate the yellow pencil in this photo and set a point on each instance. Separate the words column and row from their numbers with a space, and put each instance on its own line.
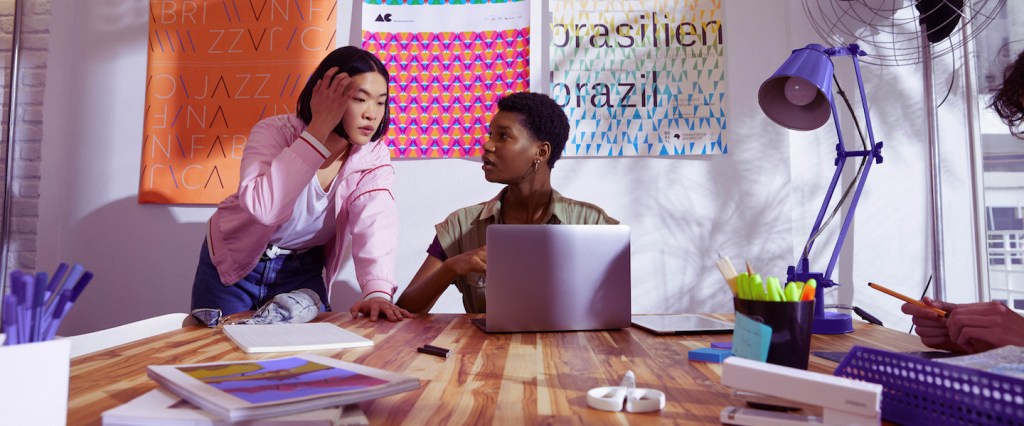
column 908, row 299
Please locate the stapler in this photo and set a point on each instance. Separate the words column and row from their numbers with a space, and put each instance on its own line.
column 779, row 395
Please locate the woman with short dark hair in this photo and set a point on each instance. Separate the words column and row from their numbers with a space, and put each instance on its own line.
column 526, row 138
column 311, row 183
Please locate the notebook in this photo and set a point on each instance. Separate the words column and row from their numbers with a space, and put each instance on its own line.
column 557, row 278
column 262, row 338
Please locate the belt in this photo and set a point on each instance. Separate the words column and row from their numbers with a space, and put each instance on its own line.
column 273, row 251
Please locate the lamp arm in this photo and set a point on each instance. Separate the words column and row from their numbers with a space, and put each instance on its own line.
column 849, row 219
column 804, row 265
column 873, row 154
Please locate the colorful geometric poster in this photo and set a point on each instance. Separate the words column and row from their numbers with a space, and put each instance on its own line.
column 640, row 78
column 216, row 67
column 450, row 61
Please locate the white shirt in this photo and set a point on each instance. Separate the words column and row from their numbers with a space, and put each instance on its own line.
column 312, row 222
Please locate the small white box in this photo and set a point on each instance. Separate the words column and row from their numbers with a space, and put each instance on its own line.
column 34, row 383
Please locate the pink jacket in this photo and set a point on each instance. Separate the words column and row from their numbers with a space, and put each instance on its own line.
column 276, row 166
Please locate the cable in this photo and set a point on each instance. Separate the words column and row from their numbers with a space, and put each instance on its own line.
column 846, row 192
column 952, row 77
column 864, row 315
column 924, row 293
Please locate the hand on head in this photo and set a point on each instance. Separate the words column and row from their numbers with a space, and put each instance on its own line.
column 328, row 102
column 379, row 307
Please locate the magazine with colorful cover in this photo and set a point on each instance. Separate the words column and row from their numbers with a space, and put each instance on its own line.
column 253, row 389
column 160, row 407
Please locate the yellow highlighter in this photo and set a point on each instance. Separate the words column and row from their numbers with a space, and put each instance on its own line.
column 775, row 290
column 792, row 292
column 757, row 288
column 742, row 290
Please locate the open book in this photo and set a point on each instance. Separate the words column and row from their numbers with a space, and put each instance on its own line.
column 253, row 389
column 160, row 407
column 260, row 338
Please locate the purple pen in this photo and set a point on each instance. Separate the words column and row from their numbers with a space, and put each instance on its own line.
column 53, row 322
column 38, row 297
column 10, row 319
column 57, row 276
column 53, row 287
column 74, row 275
column 20, row 291
column 80, row 286
column 74, row 292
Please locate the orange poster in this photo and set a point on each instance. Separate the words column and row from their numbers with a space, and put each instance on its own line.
column 216, row 67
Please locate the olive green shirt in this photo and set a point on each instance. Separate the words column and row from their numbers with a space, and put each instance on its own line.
column 466, row 229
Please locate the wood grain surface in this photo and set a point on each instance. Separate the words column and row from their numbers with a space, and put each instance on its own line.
column 523, row 378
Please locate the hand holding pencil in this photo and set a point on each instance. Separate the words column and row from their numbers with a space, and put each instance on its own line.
column 907, row 299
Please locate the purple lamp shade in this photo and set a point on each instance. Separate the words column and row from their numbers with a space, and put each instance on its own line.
column 799, row 95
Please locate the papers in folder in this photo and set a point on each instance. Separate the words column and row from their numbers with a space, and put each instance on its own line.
column 262, row 338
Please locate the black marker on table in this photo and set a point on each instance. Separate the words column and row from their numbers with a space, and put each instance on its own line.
column 433, row 350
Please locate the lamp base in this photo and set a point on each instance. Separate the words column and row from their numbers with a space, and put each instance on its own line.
column 832, row 323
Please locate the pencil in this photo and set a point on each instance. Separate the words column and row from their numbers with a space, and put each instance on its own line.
column 908, row 299
column 728, row 272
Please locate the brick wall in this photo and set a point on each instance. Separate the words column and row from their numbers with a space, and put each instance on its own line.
column 26, row 150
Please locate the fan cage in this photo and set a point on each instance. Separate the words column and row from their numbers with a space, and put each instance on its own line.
column 890, row 30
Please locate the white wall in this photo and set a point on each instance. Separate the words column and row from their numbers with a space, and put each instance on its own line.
column 756, row 204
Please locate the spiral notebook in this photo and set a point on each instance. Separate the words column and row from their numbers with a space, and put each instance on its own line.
column 262, row 338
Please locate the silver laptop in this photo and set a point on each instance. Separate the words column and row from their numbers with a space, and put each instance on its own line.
column 557, row 278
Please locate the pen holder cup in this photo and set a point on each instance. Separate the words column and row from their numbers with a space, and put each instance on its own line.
column 35, row 383
column 791, row 328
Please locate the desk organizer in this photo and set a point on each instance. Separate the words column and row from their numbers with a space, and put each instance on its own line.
column 34, row 383
column 919, row 391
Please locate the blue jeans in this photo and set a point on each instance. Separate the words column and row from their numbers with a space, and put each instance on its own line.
column 269, row 278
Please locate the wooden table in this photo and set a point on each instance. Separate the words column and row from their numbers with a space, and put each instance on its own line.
column 526, row 378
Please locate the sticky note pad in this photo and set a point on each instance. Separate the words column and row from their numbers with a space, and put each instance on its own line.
column 709, row 354
column 721, row 345
column 750, row 339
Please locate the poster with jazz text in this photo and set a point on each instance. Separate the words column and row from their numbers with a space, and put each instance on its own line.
column 640, row 78
column 215, row 68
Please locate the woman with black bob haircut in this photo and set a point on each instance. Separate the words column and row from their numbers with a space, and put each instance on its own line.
column 526, row 138
column 311, row 184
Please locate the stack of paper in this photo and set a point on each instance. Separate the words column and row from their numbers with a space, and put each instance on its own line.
column 159, row 407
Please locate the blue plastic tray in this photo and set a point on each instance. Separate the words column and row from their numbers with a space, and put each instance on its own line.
column 918, row 391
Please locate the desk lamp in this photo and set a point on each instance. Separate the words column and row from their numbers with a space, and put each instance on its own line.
column 799, row 97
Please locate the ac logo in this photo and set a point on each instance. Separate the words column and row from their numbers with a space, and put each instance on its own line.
column 383, row 18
